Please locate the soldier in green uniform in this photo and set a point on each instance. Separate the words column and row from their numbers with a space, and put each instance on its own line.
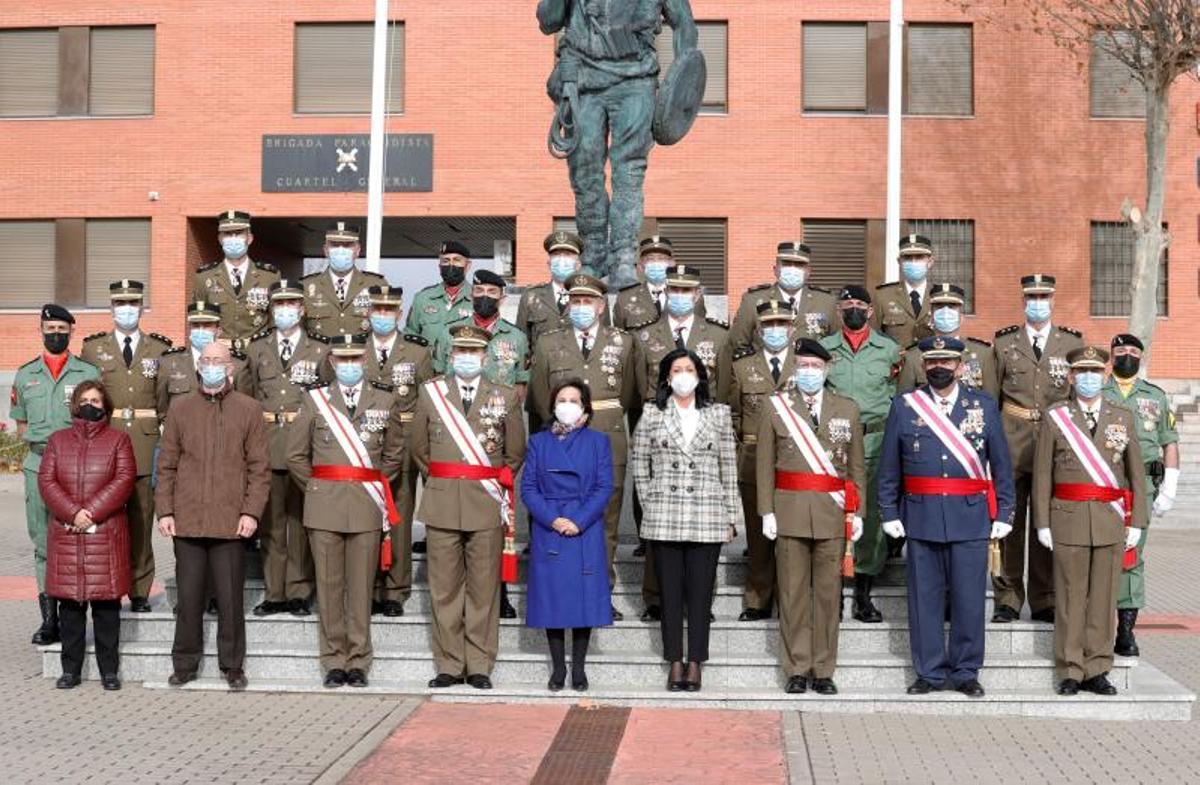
column 335, row 299
column 759, row 369
column 606, row 359
column 865, row 366
column 642, row 303
column 978, row 360
column 177, row 366
column 283, row 361
column 40, row 405
column 1159, row 441
column 403, row 362
column 238, row 284
column 439, row 303
column 902, row 308
column 128, row 360
column 507, row 359
column 813, row 308
column 1031, row 363
column 544, row 306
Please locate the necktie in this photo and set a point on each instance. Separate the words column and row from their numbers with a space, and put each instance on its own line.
column 946, row 406
column 127, row 352
column 341, row 290
column 285, row 350
column 383, row 356
column 791, row 301
column 775, row 369
column 658, row 301
column 1091, row 421
column 915, row 297
column 585, row 345
column 237, row 281
column 467, row 397
column 1037, row 346
column 563, row 299
column 349, row 395
column 679, row 342
column 813, row 414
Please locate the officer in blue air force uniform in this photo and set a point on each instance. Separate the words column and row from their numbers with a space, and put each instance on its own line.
column 926, row 494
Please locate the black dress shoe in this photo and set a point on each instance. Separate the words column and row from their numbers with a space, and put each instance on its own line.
column 579, row 682
column 376, row 607
column 418, row 546
column 393, row 609
column 110, row 681
column 971, row 688
column 1068, row 687
column 479, row 681
column 693, row 677
column 1005, row 614
column 356, row 677
column 640, row 549
column 334, row 679
column 824, row 687
column 797, row 685
column 617, row 615
column 1045, row 614
column 923, row 687
column 652, row 613
column 675, row 678
column 179, row 678
column 299, row 607
column 754, row 614
column 507, row 611
column 556, row 681
column 443, row 680
column 236, row 679
column 269, row 608
column 211, row 609
column 68, row 681
column 1100, row 685
column 139, row 605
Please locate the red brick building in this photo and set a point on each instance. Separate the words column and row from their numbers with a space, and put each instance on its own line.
column 1015, row 158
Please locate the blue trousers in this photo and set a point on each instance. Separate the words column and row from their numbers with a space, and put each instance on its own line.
column 939, row 572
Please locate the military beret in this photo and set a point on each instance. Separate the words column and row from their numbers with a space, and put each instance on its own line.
column 348, row 345
column 938, row 347
column 52, row 312
column 793, row 252
column 468, row 336
column 915, row 245
column 233, row 221
column 655, row 244
column 1037, row 284
column 126, row 289
column 682, row 275
column 285, row 289
column 807, row 347
column 454, row 247
column 854, row 292
column 947, row 293
column 341, row 232
column 1127, row 339
column 563, row 241
column 488, row 278
column 1087, row 357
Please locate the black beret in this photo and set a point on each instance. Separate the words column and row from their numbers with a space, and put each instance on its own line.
column 51, row 312
column 1127, row 339
column 454, row 246
column 807, row 347
column 489, row 278
column 855, row 292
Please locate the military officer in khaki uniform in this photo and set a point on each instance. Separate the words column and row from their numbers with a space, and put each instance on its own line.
column 440, row 303
column 344, row 514
column 644, row 302
column 604, row 357
column 177, row 366
column 463, row 521
column 282, row 362
column 128, row 361
column 1031, row 363
column 237, row 285
column 978, row 360
column 507, row 359
column 806, row 522
column 1075, row 508
column 543, row 307
column 813, row 308
column 335, row 299
column 404, row 362
column 903, row 311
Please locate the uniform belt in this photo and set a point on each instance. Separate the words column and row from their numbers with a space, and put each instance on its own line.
column 37, row 449
column 129, row 413
column 875, row 427
column 340, row 473
column 279, row 417
column 811, row 481
column 953, row 486
column 750, row 438
column 1086, row 492
column 609, row 403
column 407, row 416
column 1020, row 412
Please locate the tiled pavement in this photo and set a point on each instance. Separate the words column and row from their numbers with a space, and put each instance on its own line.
column 138, row 735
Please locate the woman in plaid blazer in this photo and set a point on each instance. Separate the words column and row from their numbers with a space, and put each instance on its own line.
column 685, row 470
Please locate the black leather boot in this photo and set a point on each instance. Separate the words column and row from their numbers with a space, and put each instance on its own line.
column 1126, row 645
column 864, row 610
column 48, row 632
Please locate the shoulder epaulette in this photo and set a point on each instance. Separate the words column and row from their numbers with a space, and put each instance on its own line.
column 1071, row 330
column 717, row 322
column 175, row 350
column 887, row 285
column 206, row 267
column 645, row 324
column 237, row 354
column 33, row 361
column 266, row 266
column 94, row 336
column 1149, row 383
column 262, row 334
column 162, row 338
column 759, row 287
column 979, row 340
column 383, row 386
column 743, row 351
column 311, row 275
column 317, row 385
column 370, row 274
column 1008, row 330
column 819, row 289
column 419, row 340
column 317, row 336
column 554, row 331
column 542, row 285
column 627, row 287
column 882, row 335
column 430, row 286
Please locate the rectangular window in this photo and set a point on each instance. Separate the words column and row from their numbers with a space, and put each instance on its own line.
column 939, row 78
column 28, row 73
column 115, row 249
column 835, row 67
column 1115, row 92
column 122, row 71
column 713, row 41
column 1112, row 270
column 701, row 243
column 954, row 250
column 839, row 252
column 27, row 251
column 333, row 68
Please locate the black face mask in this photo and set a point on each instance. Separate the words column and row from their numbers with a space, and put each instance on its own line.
column 91, row 413
column 939, row 378
column 56, row 343
column 854, row 318
column 451, row 275
column 1126, row 366
column 485, row 307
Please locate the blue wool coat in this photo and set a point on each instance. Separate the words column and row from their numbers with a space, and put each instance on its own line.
column 568, row 576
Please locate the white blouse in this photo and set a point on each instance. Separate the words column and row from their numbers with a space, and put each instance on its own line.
column 689, row 420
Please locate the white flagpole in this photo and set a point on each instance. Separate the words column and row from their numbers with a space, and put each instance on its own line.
column 895, row 113
column 379, row 62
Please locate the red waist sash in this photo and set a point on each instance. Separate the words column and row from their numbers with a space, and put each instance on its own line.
column 953, row 486
column 445, row 470
column 1086, row 492
column 810, row 481
column 340, row 473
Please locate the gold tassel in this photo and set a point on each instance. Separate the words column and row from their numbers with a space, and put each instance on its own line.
column 995, row 563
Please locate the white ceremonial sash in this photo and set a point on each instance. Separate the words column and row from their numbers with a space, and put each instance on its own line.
column 467, row 440
column 947, row 433
column 808, row 445
column 1087, row 453
column 356, row 453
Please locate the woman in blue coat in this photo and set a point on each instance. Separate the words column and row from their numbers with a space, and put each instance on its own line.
column 566, row 486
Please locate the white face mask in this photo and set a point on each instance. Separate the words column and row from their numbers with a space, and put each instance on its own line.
column 567, row 412
column 684, row 384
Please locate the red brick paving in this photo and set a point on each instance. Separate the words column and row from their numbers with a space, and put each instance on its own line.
column 18, row 587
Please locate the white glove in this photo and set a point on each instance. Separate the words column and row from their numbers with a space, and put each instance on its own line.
column 856, row 525
column 1132, row 537
column 770, row 527
column 1000, row 530
column 1045, row 539
column 1163, row 504
column 893, row 529
column 1166, row 492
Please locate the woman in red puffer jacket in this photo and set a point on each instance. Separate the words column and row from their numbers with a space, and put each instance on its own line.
column 87, row 476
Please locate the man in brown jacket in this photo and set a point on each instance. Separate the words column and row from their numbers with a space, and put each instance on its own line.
column 345, row 433
column 463, row 519
column 1089, row 505
column 213, row 481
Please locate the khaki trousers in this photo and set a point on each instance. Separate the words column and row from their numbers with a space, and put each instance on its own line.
column 810, row 593
column 287, row 558
column 140, row 512
column 396, row 583
column 345, row 566
column 1085, row 608
column 1011, row 586
column 612, row 521
column 464, row 587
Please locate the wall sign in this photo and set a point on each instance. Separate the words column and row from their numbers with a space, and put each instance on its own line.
column 340, row 162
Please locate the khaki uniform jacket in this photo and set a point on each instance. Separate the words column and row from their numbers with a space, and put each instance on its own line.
column 1030, row 384
column 336, row 505
column 324, row 315
column 538, row 313
column 177, row 376
column 707, row 338
column 894, row 317
column 1088, row 523
column 495, row 417
column 409, row 364
column 978, row 368
column 636, row 305
column 808, row 513
column 280, row 389
column 212, row 466
column 816, row 313
column 244, row 313
column 750, row 386
column 131, row 389
column 610, row 371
